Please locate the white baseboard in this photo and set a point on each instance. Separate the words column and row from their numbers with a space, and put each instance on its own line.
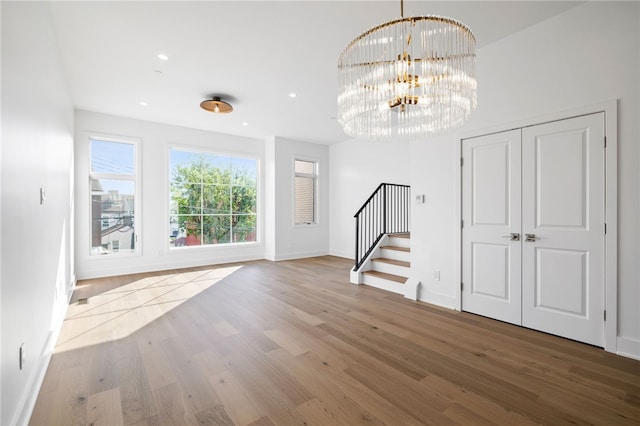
column 628, row 347
column 300, row 255
column 424, row 295
column 340, row 253
column 28, row 400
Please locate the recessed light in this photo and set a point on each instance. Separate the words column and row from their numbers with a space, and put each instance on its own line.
column 143, row 104
column 292, row 95
column 163, row 57
column 245, row 123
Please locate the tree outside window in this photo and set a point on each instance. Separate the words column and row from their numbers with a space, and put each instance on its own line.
column 213, row 199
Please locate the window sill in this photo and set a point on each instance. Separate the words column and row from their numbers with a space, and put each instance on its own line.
column 214, row 246
column 306, row 225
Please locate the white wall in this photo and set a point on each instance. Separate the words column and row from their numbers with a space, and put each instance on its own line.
column 357, row 168
column 153, row 234
column 37, row 250
column 432, row 239
column 270, row 198
column 0, row 211
column 290, row 240
column 584, row 56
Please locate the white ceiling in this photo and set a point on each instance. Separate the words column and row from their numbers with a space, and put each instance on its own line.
column 250, row 53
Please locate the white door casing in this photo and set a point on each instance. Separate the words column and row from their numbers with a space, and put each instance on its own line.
column 491, row 214
column 563, row 206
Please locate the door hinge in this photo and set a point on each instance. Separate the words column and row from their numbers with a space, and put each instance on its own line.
column 605, row 315
column 462, row 224
column 461, row 161
column 461, row 286
column 605, row 228
column 605, row 141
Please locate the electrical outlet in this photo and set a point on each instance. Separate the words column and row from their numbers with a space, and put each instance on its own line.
column 23, row 356
column 436, row 275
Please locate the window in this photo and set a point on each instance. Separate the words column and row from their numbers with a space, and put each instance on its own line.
column 212, row 198
column 113, row 177
column 305, row 188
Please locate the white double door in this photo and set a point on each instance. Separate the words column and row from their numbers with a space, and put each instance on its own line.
column 533, row 227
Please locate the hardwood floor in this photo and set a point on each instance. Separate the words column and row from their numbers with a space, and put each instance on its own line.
column 292, row 342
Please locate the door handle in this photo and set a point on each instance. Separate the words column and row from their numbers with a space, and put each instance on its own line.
column 530, row 238
column 514, row 236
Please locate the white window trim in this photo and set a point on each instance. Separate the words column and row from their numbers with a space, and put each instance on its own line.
column 199, row 149
column 316, row 192
column 137, row 161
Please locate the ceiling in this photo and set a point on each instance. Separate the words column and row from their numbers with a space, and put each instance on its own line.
column 252, row 54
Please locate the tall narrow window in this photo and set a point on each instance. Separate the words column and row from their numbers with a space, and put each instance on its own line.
column 113, row 178
column 305, row 188
column 213, row 198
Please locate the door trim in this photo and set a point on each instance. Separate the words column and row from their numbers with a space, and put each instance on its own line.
column 610, row 109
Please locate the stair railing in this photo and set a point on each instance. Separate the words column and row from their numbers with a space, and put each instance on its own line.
column 386, row 211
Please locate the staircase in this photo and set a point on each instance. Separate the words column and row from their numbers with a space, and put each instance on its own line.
column 390, row 264
column 383, row 240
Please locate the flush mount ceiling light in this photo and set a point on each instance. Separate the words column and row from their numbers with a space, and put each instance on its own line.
column 407, row 79
column 217, row 106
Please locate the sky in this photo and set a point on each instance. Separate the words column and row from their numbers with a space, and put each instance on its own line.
column 119, row 158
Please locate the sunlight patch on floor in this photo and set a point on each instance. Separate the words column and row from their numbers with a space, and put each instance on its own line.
column 124, row 310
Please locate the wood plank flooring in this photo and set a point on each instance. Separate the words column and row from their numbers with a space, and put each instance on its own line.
column 293, row 343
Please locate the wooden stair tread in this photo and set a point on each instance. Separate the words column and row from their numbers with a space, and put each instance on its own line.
column 402, row 235
column 405, row 249
column 392, row 261
column 384, row 275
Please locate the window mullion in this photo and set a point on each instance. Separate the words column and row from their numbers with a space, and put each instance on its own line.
column 112, row 176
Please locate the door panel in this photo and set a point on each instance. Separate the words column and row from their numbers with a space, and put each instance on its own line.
column 490, row 269
column 561, row 281
column 563, row 206
column 491, row 212
column 561, row 171
column 491, row 169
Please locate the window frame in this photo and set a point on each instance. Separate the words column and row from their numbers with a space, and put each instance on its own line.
column 316, row 195
column 136, row 177
column 204, row 150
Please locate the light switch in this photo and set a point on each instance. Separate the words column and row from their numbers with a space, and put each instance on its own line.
column 420, row 199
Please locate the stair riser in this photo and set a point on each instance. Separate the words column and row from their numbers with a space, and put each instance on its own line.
column 403, row 271
column 383, row 284
column 400, row 242
column 395, row 255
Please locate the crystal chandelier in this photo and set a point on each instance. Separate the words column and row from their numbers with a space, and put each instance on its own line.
column 407, row 79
